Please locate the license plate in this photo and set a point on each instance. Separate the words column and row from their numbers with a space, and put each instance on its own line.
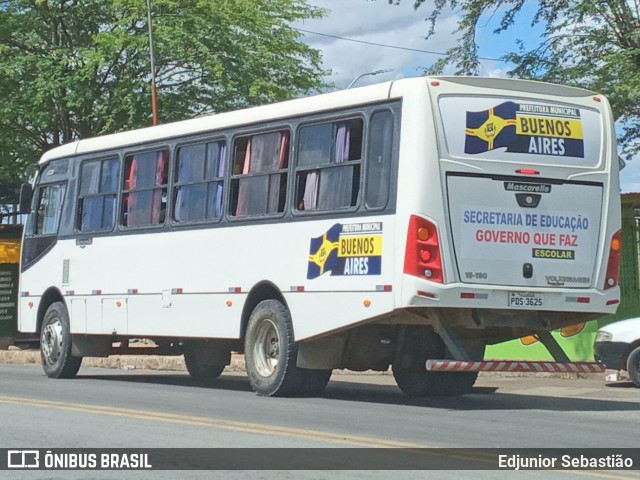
column 525, row 300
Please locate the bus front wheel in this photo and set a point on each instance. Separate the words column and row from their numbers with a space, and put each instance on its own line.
column 271, row 354
column 55, row 344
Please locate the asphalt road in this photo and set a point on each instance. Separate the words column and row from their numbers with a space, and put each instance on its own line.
column 143, row 409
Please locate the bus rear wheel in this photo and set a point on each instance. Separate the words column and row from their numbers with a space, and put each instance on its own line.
column 633, row 366
column 199, row 365
column 55, row 344
column 271, row 355
column 411, row 374
column 434, row 384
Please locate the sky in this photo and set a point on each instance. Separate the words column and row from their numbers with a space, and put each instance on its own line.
column 400, row 25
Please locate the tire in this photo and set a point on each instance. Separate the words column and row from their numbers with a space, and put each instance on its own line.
column 55, row 344
column 271, row 354
column 434, row 384
column 315, row 382
column 412, row 376
column 633, row 366
column 198, row 367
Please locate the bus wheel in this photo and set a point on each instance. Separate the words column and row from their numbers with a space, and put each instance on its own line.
column 198, row 366
column 411, row 374
column 633, row 366
column 422, row 383
column 315, row 382
column 55, row 344
column 271, row 355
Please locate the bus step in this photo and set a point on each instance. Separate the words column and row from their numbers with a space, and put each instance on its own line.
column 159, row 350
column 514, row 366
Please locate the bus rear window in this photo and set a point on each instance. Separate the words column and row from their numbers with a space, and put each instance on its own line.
column 524, row 131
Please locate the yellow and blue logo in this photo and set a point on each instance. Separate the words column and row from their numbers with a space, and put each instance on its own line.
column 347, row 249
column 530, row 128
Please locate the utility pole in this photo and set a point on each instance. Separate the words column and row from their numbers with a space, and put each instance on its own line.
column 154, row 91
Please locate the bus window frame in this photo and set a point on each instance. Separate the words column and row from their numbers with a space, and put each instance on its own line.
column 114, row 155
column 393, row 160
column 361, row 114
column 167, row 186
column 290, row 214
column 173, row 183
column 248, row 132
column 32, row 221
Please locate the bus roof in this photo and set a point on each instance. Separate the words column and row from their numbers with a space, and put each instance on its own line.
column 275, row 111
column 298, row 106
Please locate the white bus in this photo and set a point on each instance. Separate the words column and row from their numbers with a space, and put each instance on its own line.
column 384, row 226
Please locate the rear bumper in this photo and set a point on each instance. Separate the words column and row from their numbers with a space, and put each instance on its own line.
column 513, row 366
column 611, row 354
column 418, row 292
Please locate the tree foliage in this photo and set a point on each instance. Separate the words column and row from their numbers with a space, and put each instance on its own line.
column 72, row 69
column 594, row 44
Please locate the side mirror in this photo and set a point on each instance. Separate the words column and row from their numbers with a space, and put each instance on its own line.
column 26, row 195
column 621, row 163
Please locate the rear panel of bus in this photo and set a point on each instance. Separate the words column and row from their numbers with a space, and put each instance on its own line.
column 528, row 182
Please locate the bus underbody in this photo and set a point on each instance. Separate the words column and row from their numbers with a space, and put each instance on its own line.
column 431, row 351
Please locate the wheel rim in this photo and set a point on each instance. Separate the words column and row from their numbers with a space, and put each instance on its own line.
column 266, row 348
column 52, row 342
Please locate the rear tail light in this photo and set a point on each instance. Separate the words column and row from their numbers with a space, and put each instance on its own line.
column 613, row 267
column 422, row 255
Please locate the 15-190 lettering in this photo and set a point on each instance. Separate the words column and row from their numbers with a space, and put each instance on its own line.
column 476, row 275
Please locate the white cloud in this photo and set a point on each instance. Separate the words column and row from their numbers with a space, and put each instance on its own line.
column 377, row 22
column 497, row 73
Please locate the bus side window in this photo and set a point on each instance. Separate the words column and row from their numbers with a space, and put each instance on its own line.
column 379, row 160
column 97, row 197
column 45, row 218
column 144, row 195
column 328, row 169
column 199, row 182
column 259, row 174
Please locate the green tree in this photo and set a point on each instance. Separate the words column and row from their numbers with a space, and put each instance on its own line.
column 72, row 69
column 594, row 44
